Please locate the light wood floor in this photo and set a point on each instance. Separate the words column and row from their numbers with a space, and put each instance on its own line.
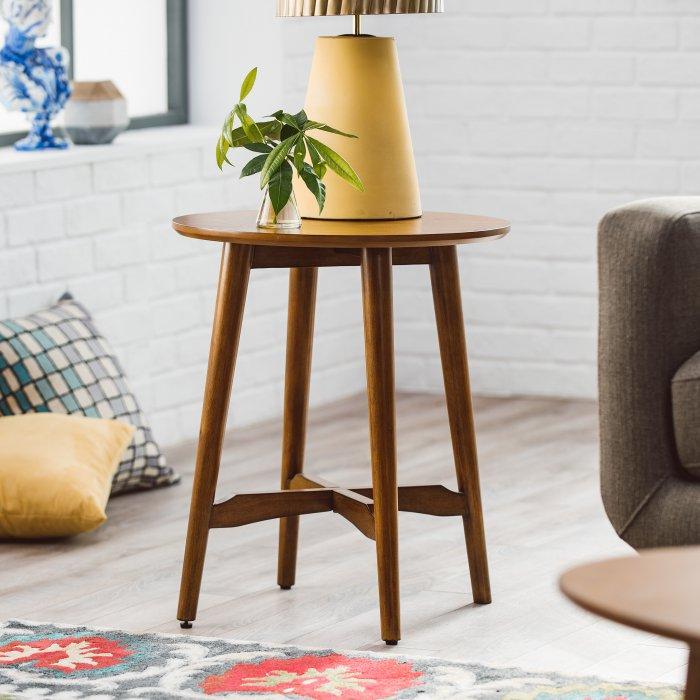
column 543, row 514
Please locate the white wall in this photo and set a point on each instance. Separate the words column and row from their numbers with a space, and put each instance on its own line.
column 547, row 112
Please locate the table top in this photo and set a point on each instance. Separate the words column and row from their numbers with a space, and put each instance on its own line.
column 432, row 229
column 657, row 591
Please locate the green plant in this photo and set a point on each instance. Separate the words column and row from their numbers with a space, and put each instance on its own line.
column 284, row 145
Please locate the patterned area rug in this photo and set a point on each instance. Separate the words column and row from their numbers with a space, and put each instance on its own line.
column 70, row 663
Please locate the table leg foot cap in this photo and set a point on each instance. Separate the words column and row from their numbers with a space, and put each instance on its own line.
column 391, row 642
column 286, row 588
column 186, row 625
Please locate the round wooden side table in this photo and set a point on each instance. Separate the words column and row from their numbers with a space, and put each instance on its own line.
column 656, row 592
column 375, row 246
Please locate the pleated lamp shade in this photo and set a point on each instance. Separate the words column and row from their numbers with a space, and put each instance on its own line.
column 328, row 8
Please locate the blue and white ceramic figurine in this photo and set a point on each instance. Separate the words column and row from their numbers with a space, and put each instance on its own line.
column 33, row 80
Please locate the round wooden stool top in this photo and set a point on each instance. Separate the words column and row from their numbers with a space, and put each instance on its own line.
column 432, row 229
column 656, row 591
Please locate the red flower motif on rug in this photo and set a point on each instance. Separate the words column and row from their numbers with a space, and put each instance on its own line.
column 318, row 678
column 67, row 654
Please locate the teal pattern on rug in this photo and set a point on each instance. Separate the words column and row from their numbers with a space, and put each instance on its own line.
column 44, row 660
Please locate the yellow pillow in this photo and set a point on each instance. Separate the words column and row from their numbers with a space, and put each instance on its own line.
column 56, row 472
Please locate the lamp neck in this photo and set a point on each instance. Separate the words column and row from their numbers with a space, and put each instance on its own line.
column 358, row 24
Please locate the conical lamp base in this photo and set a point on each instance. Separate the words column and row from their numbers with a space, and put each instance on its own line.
column 355, row 86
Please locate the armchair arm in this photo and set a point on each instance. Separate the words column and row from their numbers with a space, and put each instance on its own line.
column 649, row 324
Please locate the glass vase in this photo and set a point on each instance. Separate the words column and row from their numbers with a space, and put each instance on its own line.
column 287, row 218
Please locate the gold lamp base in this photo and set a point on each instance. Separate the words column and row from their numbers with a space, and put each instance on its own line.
column 355, row 85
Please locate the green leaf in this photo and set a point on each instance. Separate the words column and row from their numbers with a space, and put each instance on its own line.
column 276, row 158
column 299, row 155
column 219, row 156
column 222, row 147
column 288, row 131
column 319, row 166
column 258, row 147
column 337, row 164
column 316, row 187
column 252, row 130
column 288, row 120
column 301, row 118
column 248, row 84
column 227, row 130
column 253, row 166
column 310, row 126
column 280, row 187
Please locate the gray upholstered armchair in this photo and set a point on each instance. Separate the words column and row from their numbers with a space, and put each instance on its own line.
column 649, row 370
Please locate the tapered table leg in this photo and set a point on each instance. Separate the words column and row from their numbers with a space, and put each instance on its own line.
column 692, row 686
column 379, row 351
column 300, row 331
column 230, row 303
column 444, row 273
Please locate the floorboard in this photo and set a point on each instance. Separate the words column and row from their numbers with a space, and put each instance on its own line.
column 543, row 514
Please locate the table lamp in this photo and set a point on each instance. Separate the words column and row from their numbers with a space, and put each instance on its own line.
column 355, row 85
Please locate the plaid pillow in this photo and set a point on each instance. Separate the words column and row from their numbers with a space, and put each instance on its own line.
column 56, row 361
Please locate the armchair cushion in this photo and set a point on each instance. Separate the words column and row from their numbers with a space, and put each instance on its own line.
column 685, row 393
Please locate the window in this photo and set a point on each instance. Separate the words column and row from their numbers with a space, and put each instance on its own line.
column 141, row 45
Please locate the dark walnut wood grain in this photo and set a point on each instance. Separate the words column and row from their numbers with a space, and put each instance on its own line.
column 300, row 334
column 376, row 247
column 432, row 229
column 656, row 591
column 230, row 303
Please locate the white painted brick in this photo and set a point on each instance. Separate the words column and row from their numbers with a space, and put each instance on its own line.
column 635, row 33
column 676, row 7
column 592, row 68
column 623, row 176
column 124, row 174
column 562, row 33
column 26, row 300
column 175, row 166
column 502, row 7
column 63, row 183
column 65, row 260
column 173, row 389
column 167, row 244
column 93, row 214
column 121, row 248
column 583, row 140
column 677, row 69
column 467, row 32
column 690, row 104
column 16, row 189
column 591, row 7
column 635, row 104
column 546, row 173
column 513, row 139
column 548, row 102
column 200, row 197
column 35, row 225
column 17, row 267
column 98, row 292
column 175, row 315
column 126, row 323
column 148, row 205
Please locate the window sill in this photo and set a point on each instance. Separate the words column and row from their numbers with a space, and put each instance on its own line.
column 128, row 145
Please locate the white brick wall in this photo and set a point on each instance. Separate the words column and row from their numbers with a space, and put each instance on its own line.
column 549, row 113
column 96, row 222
